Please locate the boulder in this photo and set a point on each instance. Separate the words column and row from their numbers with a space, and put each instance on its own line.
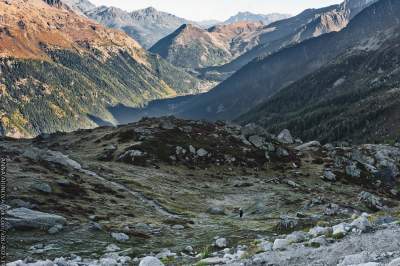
column 280, row 244
column 55, row 229
column 253, row 129
column 285, row 137
column 265, row 246
column 212, row 261
column 309, row 146
column 318, row 241
column 112, row 248
column 42, row 187
column 202, row 152
column 257, row 141
column 297, row 237
column 221, row 242
column 395, row 262
column 371, row 201
column 50, row 156
column 216, row 210
column 320, row 231
column 26, row 218
column 355, row 259
column 362, row 224
column 329, row 176
column 121, row 237
column 340, row 230
column 150, row 261
column 353, row 171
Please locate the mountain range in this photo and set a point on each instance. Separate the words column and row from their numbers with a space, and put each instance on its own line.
column 194, row 47
column 60, row 71
column 251, row 17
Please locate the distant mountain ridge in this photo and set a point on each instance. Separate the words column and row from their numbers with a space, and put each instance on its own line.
column 251, row 17
column 193, row 47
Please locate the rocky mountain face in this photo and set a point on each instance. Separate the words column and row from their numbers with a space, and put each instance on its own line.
column 60, row 71
column 308, row 24
column 147, row 26
column 262, row 78
column 251, row 17
column 194, row 47
column 168, row 191
column 354, row 97
column 80, row 6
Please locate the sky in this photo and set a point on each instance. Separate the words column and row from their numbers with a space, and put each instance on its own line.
column 218, row 9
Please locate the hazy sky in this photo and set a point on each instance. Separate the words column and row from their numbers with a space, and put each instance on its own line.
column 218, row 9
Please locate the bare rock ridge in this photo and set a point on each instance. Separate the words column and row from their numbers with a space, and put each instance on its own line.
column 194, row 47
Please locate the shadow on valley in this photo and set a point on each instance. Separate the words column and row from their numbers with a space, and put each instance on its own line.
column 157, row 108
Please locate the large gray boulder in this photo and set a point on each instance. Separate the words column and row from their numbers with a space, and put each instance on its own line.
column 150, row 261
column 285, row 137
column 24, row 218
column 371, row 201
column 50, row 156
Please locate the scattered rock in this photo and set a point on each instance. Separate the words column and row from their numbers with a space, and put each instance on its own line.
column 309, row 146
column 371, row 201
column 353, row 171
column 178, row 227
column 112, row 248
column 266, row 246
column 280, row 244
column 202, row 152
column 42, row 187
column 216, row 210
column 320, row 231
column 285, row 137
column 150, row 261
column 329, row 175
column 340, row 230
column 257, row 141
column 395, row 262
column 220, row 243
column 55, row 229
column 212, row 261
column 281, row 152
column 297, row 237
column 189, row 249
column 362, row 224
column 26, row 218
column 354, row 259
column 121, row 237
column 318, row 241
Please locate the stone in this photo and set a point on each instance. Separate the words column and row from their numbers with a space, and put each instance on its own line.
column 266, row 246
column 221, row 242
column 297, row 237
column 42, row 187
column 280, row 244
column 21, row 218
column 285, row 137
column 112, row 248
column 253, row 129
column 121, row 237
column 212, row 261
column 361, row 223
column 192, row 149
column 309, row 146
column 178, row 227
column 329, row 175
column 166, row 253
column 320, row 231
column 395, row 262
column 131, row 155
column 180, row 151
column 281, row 152
column 257, row 141
column 167, row 124
column 189, row 249
column 353, row 171
column 150, row 261
column 318, row 241
column 340, row 230
column 50, row 156
column 216, row 210
column 55, row 229
column 371, row 201
column 202, row 152
column 354, row 259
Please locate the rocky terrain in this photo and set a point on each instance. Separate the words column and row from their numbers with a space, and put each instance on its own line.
column 251, row 17
column 194, row 47
column 147, row 26
column 165, row 191
column 264, row 77
column 60, row 71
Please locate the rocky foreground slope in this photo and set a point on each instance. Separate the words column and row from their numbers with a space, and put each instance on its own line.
column 170, row 190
